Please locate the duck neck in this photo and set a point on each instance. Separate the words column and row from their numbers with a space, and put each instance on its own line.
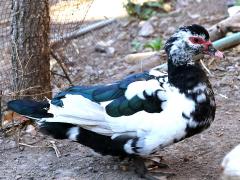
column 185, row 76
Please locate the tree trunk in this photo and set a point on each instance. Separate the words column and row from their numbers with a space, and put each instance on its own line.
column 30, row 48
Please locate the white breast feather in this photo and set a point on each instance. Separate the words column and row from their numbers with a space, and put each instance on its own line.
column 156, row 129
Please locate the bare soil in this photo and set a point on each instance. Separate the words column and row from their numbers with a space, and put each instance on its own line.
column 196, row 158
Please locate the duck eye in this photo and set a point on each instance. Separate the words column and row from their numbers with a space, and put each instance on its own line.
column 196, row 40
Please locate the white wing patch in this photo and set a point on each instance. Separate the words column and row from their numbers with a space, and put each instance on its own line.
column 152, row 86
column 137, row 88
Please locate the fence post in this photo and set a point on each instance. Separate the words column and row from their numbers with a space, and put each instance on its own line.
column 30, row 48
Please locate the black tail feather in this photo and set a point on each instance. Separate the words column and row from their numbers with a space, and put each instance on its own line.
column 30, row 108
column 100, row 143
column 56, row 130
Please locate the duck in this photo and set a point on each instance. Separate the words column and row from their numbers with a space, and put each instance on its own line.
column 140, row 114
column 231, row 164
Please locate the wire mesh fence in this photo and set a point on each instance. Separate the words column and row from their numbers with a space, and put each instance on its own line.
column 5, row 55
column 72, row 23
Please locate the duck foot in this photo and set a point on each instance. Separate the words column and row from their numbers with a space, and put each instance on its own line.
column 151, row 164
column 143, row 172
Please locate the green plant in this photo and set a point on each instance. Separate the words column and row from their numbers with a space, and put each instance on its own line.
column 155, row 44
column 136, row 45
column 144, row 11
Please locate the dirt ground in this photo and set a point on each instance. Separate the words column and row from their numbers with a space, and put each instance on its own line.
column 196, row 158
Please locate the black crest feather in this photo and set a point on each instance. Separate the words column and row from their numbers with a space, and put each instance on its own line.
column 196, row 29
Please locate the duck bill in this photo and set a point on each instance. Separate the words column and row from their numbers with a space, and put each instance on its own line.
column 214, row 52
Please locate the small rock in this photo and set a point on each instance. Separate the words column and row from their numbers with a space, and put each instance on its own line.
column 171, row 30
column 42, row 175
column 18, row 177
column 154, row 20
column 101, row 47
column 125, row 22
column 110, row 50
column 231, row 68
column 31, row 130
column 146, row 29
column 89, row 69
column 167, row 7
column 115, row 167
column 64, row 174
column 67, row 154
column 104, row 47
column 95, row 170
column 11, row 144
column 77, row 169
column 90, row 168
column 44, row 168
column 124, row 168
column 21, row 148
column 182, row 3
column 100, row 72
column 193, row 16
column 89, row 155
column 123, row 36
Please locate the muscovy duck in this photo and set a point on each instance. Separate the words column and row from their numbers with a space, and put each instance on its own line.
column 231, row 164
column 140, row 114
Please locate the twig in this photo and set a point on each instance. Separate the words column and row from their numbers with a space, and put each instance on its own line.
column 58, row 154
column 224, row 96
column 57, row 74
column 31, row 146
column 211, row 61
column 59, row 61
column 53, row 145
column 205, row 67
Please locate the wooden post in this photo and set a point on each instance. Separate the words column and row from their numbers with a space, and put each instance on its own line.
column 30, row 48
